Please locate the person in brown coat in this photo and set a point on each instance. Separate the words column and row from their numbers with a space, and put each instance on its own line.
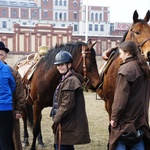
column 129, row 125
column 18, row 100
column 69, row 115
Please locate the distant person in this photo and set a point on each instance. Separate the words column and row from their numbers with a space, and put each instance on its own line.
column 18, row 99
column 130, row 110
column 70, row 125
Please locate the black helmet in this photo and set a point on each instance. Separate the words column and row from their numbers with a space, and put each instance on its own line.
column 63, row 57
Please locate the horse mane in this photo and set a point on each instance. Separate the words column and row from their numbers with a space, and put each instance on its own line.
column 124, row 37
column 72, row 47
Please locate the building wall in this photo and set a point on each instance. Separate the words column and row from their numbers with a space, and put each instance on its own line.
column 28, row 13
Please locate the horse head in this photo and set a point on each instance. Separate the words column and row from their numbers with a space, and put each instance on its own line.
column 139, row 33
column 86, row 65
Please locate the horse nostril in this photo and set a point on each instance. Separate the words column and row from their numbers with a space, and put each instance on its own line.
column 148, row 56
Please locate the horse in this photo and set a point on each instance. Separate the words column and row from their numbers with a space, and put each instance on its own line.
column 46, row 78
column 139, row 33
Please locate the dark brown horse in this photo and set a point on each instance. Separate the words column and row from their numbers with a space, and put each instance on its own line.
column 46, row 77
column 139, row 32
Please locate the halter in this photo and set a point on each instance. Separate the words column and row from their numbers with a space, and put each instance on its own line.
column 141, row 44
column 83, row 56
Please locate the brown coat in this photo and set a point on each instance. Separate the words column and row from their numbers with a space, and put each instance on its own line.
column 18, row 105
column 131, row 102
column 71, row 113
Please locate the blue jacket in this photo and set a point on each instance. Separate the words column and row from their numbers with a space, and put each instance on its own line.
column 7, row 87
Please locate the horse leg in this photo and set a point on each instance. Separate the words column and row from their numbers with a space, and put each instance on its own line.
column 108, row 107
column 26, row 135
column 37, row 124
column 40, row 140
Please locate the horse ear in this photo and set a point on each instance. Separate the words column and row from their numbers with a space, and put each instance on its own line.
column 135, row 16
column 57, row 45
column 94, row 43
column 89, row 41
column 91, row 45
column 147, row 17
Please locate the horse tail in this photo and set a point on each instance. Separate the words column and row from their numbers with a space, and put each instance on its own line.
column 29, row 112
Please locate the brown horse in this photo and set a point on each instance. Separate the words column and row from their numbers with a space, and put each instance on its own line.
column 139, row 33
column 46, row 77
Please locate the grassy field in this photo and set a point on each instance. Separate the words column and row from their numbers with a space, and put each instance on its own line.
column 98, row 124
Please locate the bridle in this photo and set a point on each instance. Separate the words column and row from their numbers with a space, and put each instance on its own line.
column 140, row 45
column 83, row 58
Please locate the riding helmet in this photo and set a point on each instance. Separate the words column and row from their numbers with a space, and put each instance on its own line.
column 63, row 57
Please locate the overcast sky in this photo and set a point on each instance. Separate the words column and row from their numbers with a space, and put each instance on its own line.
column 122, row 10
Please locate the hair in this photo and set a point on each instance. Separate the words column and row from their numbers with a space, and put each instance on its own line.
column 131, row 48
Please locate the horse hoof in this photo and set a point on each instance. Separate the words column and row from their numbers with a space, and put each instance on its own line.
column 41, row 145
column 24, row 145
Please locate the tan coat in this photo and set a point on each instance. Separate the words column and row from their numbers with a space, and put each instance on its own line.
column 18, row 105
column 131, row 102
column 71, row 113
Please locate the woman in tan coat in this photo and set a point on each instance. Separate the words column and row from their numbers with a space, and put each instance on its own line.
column 70, row 121
column 129, row 119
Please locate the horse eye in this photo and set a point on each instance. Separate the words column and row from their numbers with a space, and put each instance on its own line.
column 137, row 32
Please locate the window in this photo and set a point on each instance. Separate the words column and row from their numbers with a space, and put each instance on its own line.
column 96, row 27
column 24, row 13
column 3, row 3
column 60, row 2
column 4, row 24
column 65, row 3
column 34, row 13
column 24, row 23
column 23, row 4
column 13, row 3
column 75, row 4
column 45, row 2
column 75, row 27
column 65, row 16
column 96, row 17
column 101, row 27
column 63, row 25
column 92, row 16
column 56, row 2
column 32, row 4
column 60, row 16
column 90, row 27
column 56, row 15
column 45, row 14
column 3, row 12
column 100, row 17
column 75, row 15
column 14, row 13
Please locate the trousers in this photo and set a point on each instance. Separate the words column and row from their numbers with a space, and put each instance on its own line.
column 64, row 147
column 138, row 146
column 6, row 130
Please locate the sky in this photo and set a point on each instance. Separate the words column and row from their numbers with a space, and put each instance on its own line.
column 122, row 10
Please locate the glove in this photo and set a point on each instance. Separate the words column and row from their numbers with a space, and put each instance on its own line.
column 54, row 127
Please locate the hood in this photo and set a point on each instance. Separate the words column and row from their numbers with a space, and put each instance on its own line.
column 79, row 76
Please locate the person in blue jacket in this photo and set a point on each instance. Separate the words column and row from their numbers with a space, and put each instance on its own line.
column 7, row 87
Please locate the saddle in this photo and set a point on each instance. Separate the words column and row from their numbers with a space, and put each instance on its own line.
column 105, row 66
column 26, row 68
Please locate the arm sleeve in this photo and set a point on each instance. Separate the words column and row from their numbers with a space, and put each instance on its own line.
column 121, row 97
column 12, row 83
column 19, row 95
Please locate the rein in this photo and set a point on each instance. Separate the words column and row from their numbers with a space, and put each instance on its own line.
column 83, row 57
